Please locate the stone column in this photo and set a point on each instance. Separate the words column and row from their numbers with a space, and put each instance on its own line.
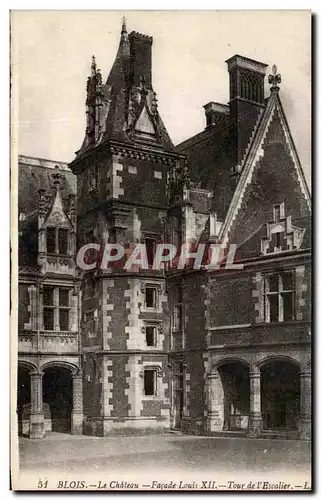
column 77, row 409
column 305, row 406
column 37, row 420
column 255, row 418
column 214, row 400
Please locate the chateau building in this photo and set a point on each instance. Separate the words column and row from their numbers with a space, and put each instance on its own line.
column 223, row 351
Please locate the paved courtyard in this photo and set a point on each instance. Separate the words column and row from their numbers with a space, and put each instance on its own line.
column 167, row 455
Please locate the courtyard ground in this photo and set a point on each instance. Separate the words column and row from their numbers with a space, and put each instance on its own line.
column 164, row 458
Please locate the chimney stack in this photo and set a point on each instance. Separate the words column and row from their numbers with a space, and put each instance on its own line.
column 215, row 112
column 141, row 59
column 246, row 100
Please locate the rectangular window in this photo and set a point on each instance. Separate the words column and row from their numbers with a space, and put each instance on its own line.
column 150, row 297
column 62, row 241
column 64, row 319
column 57, row 240
column 64, row 297
column 48, row 296
column 277, row 213
column 48, row 312
column 48, row 319
column 274, row 307
column 64, row 302
column 273, row 282
column 56, row 308
column 150, row 377
column 177, row 341
column 279, row 297
column 177, row 317
column 150, row 244
column 91, row 323
column 51, row 239
column 150, row 336
column 287, row 299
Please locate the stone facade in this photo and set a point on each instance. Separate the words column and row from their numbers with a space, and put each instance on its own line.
column 117, row 351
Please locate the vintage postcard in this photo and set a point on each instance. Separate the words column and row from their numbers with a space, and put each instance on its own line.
column 161, row 250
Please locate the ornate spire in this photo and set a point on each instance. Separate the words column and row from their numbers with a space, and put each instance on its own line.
column 72, row 208
column 93, row 65
column 124, row 42
column 124, row 27
column 42, row 203
column 275, row 78
column 154, row 104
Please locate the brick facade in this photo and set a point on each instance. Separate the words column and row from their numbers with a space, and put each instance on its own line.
column 199, row 351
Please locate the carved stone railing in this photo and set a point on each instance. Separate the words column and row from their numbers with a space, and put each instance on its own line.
column 60, row 264
column 48, row 342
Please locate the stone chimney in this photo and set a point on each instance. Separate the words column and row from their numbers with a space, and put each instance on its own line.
column 215, row 112
column 246, row 101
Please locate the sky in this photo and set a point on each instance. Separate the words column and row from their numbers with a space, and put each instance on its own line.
column 51, row 57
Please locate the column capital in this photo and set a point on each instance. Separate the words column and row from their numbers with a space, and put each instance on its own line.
column 213, row 375
column 36, row 375
column 255, row 374
column 305, row 374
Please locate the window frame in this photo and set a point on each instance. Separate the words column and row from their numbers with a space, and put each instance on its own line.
column 155, row 339
column 280, row 292
column 157, row 370
column 95, row 321
column 154, row 240
column 57, row 249
column 56, row 308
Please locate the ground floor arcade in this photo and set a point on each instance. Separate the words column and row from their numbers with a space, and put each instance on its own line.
column 49, row 399
column 271, row 394
column 252, row 394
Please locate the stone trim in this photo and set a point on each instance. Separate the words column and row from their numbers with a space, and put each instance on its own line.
column 106, row 308
column 142, row 155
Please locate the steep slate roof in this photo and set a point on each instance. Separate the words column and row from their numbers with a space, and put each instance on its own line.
column 210, row 158
column 123, row 99
column 34, row 174
column 253, row 155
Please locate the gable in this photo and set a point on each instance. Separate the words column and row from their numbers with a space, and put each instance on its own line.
column 57, row 216
column 272, row 175
column 144, row 123
column 277, row 236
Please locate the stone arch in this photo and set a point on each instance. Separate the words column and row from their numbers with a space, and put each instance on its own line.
column 74, row 369
column 23, row 395
column 277, row 357
column 57, row 390
column 31, row 367
column 227, row 360
column 228, row 396
column 280, row 392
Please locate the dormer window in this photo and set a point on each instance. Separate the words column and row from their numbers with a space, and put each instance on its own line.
column 278, row 212
column 57, row 240
column 51, row 240
column 62, row 241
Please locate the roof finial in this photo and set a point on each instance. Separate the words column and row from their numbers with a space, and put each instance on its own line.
column 56, row 177
column 93, row 65
column 275, row 78
column 124, row 27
